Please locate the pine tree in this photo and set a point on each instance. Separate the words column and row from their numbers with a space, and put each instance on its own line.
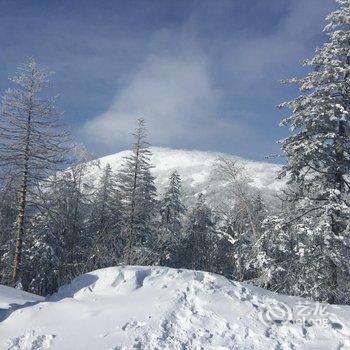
column 199, row 249
column 42, row 257
column 318, row 165
column 172, row 211
column 106, row 223
column 138, row 194
column 59, row 239
column 276, row 261
column 30, row 141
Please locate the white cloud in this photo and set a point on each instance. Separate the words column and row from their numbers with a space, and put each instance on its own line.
column 171, row 90
column 174, row 89
column 266, row 57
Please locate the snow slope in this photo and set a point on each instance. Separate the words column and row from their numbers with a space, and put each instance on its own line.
column 163, row 308
column 13, row 299
column 195, row 169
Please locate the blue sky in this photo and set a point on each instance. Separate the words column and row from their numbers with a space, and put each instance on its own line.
column 204, row 74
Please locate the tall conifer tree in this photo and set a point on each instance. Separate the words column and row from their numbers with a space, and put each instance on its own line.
column 138, row 194
column 318, row 165
column 172, row 211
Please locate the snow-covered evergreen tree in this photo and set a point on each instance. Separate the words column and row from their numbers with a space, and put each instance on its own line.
column 172, row 211
column 138, row 195
column 58, row 243
column 276, row 261
column 199, row 240
column 106, row 222
column 42, row 257
column 56, row 229
column 318, row 166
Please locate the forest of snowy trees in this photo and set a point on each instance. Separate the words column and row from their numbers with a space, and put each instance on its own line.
column 55, row 225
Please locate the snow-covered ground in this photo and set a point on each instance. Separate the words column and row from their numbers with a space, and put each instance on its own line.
column 163, row 308
column 195, row 169
column 15, row 296
column 11, row 299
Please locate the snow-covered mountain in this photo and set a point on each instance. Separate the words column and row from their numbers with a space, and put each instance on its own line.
column 195, row 169
column 162, row 308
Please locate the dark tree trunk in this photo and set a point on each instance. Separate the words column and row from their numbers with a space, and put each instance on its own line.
column 22, row 207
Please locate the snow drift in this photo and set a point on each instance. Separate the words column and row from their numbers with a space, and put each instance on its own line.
column 163, row 308
column 13, row 299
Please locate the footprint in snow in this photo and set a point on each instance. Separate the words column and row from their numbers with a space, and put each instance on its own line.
column 132, row 324
column 336, row 325
column 30, row 341
column 104, row 335
column 199, row 276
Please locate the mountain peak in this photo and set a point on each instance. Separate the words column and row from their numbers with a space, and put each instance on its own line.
column 195, row 168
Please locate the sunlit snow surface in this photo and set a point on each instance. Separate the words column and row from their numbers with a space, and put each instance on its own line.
column 163, row 308
column 14, row 296
column 196, row 171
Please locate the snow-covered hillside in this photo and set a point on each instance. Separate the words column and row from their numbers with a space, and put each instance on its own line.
column 163, row 308
column 195, row 169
